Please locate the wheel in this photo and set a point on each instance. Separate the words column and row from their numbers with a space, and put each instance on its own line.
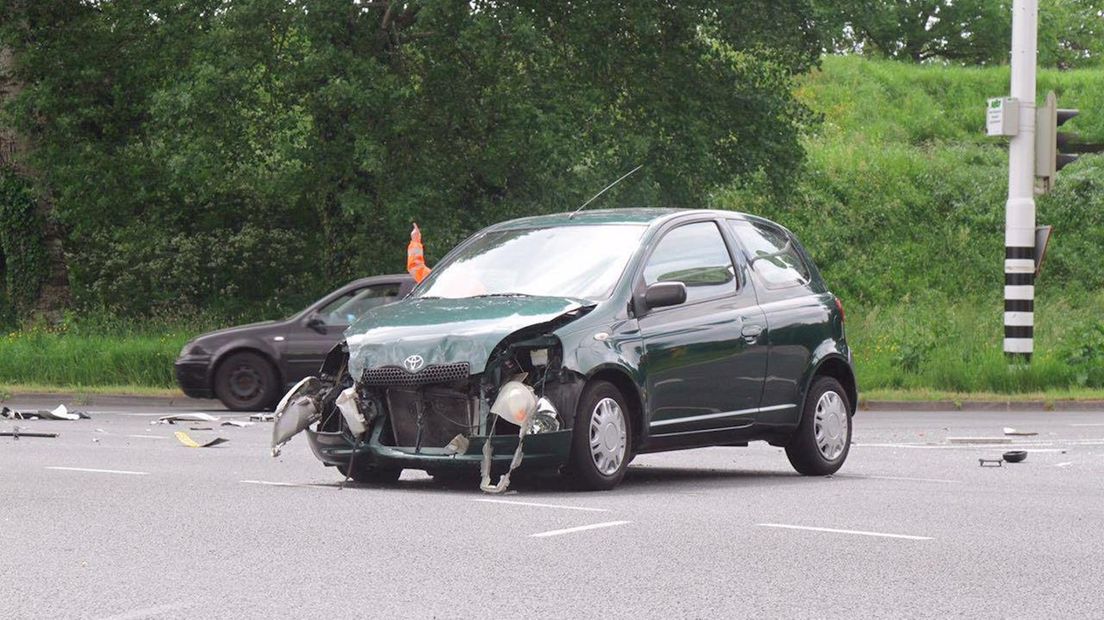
column 247, row 382
column 371, row 474
column 823, row 438
column 600, row 450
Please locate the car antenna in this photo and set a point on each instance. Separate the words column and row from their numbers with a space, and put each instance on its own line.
column 606, row 188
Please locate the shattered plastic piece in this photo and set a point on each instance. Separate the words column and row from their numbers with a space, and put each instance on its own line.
column 1012, row 431
column 58, row 413
column 185, row 417
column 262, row 417
column 183, row 438
column 458, row 445
column 515, row 403
column 347, row 404
column 1015, row 456
column 297, row 410
column 990, row 462
column 237, row 423
column 62, row 413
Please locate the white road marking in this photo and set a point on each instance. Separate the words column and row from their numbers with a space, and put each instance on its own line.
column 835, row 531
column 1063, row 464
column 284, row 484
column 536, row 505
column 148, row 612
column 581, row 528
column 1094, row 424
column 102, row 471
column 902, row 478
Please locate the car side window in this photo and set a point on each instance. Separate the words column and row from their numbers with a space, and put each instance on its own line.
column 360, row 302
column 696, row 255
column 771, row 254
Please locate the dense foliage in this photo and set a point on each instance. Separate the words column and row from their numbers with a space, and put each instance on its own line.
column 246, row 154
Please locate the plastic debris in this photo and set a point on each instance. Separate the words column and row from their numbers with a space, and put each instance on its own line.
column 1015, row 456
column 347, row 404
column 237, row 423
column 458, row 445
column 61, row 412
column 200, row 428
column 297, row 410
column 990, row 462
column 183, row 438
column 1011, row 431
column 185, row 417
column 263, row 417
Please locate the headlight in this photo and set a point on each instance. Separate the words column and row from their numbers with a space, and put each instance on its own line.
column 192, row 349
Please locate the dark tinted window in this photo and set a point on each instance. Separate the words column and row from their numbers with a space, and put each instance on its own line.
column 696, row 255
column 348, row 307
column 771, row 254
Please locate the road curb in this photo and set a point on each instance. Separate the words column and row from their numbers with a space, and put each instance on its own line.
column 981, row 405
column 76, row 400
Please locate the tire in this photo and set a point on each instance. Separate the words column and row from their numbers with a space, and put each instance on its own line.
column 823, row 438
column 247, row 381
column 601, row 445
column 371, row 474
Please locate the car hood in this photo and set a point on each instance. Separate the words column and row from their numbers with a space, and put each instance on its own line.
column 446, row 330
column 237, row 330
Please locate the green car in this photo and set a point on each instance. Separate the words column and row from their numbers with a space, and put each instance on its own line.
column 575, row 342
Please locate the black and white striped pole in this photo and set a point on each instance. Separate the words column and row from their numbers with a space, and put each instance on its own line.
column 1019, row 222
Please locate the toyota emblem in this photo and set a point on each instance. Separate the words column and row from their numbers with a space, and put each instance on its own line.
column 414, row 363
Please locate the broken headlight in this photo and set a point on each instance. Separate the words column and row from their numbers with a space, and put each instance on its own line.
column 546, row 419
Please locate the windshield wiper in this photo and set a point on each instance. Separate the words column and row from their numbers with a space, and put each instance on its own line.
column 504, row 295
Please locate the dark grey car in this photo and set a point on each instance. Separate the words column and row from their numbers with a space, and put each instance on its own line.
column 249, row 367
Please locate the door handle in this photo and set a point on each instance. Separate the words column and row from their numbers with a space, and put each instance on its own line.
column 751, row 332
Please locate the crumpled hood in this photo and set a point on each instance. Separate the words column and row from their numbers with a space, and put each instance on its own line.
column 445, row 330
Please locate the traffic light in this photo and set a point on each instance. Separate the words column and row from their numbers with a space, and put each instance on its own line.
column 1052, row 147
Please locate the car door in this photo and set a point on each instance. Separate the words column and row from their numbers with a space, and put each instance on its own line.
column 314, row 335
column 703, row 359
column 797, row 315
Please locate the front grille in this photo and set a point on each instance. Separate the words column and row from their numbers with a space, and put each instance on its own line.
column 397, row 376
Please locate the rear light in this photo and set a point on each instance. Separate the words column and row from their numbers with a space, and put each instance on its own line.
column 839, row 304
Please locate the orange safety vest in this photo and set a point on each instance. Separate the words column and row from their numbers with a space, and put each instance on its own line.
column 415, row 256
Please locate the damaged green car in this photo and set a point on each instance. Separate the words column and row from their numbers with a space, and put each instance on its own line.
column 574, row 343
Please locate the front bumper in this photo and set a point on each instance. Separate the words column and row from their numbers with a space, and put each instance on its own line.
column 545, row 451
column 191, row 375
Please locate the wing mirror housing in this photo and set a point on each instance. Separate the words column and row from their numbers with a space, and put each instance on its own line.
column 664, row 294
column 316, row 323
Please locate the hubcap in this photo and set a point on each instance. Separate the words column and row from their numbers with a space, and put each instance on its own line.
column 245, row 382
column 830, row 425
column 608, row 439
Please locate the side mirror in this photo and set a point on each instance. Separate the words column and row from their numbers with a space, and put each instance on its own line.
column 317, row 324
column 663, row 294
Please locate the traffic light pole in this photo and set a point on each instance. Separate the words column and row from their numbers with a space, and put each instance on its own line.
column 1019, row 219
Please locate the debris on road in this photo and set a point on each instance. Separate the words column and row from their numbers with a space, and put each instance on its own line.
column 183, row 438
column 15, row 434
column 1011, row 431
column 200, row 428
column 990, row 462
column 979, row 440
column 185, row 417
column 237, row 423
column 61, row 412
column 263, row 417
column 1015, row 456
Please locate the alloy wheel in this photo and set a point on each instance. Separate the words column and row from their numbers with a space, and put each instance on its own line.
column 830, row 425
column 608, row 436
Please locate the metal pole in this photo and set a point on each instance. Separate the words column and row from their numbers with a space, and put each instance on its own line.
column 1019, row 221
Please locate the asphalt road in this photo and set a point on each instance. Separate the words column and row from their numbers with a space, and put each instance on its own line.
column 116, row 519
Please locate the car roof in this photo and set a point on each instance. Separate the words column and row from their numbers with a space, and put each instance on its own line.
column 648, row 215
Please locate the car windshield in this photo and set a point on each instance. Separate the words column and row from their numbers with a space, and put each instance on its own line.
column 582, row 261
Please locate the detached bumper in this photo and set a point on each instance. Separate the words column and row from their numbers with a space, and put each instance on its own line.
column 191, row 375
column 541, row 451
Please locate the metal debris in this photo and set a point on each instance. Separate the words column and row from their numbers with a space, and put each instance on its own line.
column 15, row 434
column 458, row 445
column 990, row 462
column 183, row 438
column 185, row 417
column 237, row 423
column 263, row 417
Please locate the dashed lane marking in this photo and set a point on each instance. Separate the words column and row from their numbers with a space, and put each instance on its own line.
column 102, row 471
column 536, row 505
column 581, row 528
column 835, row 531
